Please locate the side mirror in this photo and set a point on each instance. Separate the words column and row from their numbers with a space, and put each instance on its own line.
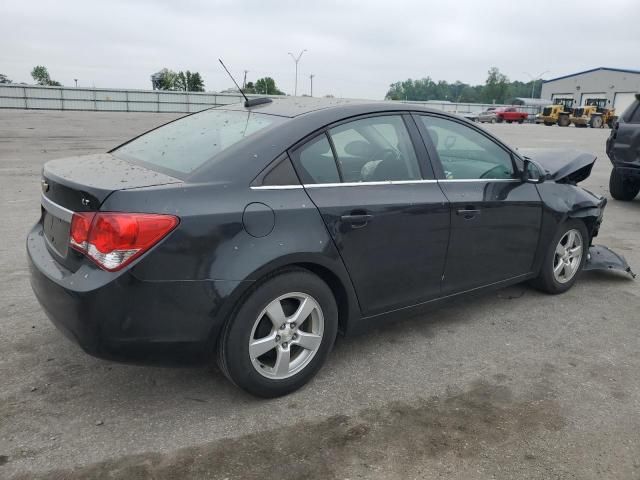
column 532, row 172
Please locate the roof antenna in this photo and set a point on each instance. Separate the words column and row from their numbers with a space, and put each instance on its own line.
column 247, row 103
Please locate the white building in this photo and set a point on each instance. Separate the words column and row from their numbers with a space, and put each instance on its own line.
column 617, row 85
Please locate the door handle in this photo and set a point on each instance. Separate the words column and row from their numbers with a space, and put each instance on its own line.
column 357, row 220
column 468, row 212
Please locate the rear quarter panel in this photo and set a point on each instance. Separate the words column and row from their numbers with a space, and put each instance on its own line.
column 212, row 244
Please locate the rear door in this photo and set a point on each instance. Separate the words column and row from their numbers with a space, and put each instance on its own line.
column 495, row 217
column 378, row 197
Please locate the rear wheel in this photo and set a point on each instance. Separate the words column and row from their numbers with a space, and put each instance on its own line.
column 564, row 259
column 563, row 121
column 621, row 187
column 280, row 335
column 548, row 124
column 596, row 121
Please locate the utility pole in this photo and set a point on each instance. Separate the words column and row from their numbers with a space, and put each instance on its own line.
column 311, row 78
column 244, row 82
column 296, row 59
column 535, row 79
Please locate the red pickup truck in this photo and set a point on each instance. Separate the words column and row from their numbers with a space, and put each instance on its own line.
column 510, row 115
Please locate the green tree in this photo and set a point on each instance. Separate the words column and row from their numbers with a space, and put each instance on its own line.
column 168, row 79
column 249, row 88
column 496, row 87
column 4, row 78
column 189, row 82
column 267, row 86
column 41, row 75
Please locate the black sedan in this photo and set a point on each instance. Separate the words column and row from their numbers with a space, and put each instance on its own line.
column 256, row 233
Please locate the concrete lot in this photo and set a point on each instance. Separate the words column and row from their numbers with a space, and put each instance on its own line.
column 516, row 384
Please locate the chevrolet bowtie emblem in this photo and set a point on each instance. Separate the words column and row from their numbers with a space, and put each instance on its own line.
column 45, row 186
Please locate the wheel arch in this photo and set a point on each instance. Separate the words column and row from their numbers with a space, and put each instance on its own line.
column 591, row 218
column 331, row 271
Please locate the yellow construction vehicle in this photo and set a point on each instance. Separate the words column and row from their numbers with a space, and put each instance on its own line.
column 557, row 113
column 594, row 114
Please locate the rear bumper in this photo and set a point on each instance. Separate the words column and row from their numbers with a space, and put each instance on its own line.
column 119, row 317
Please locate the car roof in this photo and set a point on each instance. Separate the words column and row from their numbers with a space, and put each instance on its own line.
column 301, row 118
column 295, row 106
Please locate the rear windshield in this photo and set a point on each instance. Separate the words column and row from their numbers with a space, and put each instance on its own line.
column 186, row 144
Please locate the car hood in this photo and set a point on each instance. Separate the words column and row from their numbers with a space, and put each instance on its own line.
column 562, row 165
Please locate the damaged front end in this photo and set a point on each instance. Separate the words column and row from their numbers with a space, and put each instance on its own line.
column 603, row 258
column 564, row 199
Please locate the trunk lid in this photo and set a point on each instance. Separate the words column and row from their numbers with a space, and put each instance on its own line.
column 562, row 166
column 82, row 184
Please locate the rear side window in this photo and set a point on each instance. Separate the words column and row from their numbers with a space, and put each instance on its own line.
column 316, row 163
column 189, row 142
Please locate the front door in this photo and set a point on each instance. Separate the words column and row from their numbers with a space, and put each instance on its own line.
column 386, row 213
column 495, row 217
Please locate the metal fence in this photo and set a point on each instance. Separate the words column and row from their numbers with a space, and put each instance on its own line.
column 35, row 97
column 109, row 100
column 474, row 108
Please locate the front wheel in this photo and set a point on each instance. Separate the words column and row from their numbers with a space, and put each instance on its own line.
column 280, row 335
column 564, row 258
column 596, row 121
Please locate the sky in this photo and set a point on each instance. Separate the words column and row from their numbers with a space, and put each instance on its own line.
column 355, row 49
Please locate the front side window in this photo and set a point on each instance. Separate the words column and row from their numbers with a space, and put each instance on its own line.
column 465, row 153
column 189, row 142
column 375, row 149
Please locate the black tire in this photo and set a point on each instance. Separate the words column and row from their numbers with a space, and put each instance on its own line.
column 563, row 121
column 521, row 121
column 509, row 121
column 548, row 124
column 546, row 280
column 233, row 346
column 622, row 188
column 596, row 121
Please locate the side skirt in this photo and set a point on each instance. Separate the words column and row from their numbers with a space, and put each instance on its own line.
column 364, row 324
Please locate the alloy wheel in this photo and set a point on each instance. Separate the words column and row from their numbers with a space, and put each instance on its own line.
column 286, row 335
column 568, row 256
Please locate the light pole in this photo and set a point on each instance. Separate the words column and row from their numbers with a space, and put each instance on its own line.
column 76, row 80
column 296, row 59
column 311, row 78
column 535, row 79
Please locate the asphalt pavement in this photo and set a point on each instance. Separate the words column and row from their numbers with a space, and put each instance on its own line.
column 514, row 384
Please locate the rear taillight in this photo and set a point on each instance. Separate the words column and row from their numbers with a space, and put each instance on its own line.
column 113, row 239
